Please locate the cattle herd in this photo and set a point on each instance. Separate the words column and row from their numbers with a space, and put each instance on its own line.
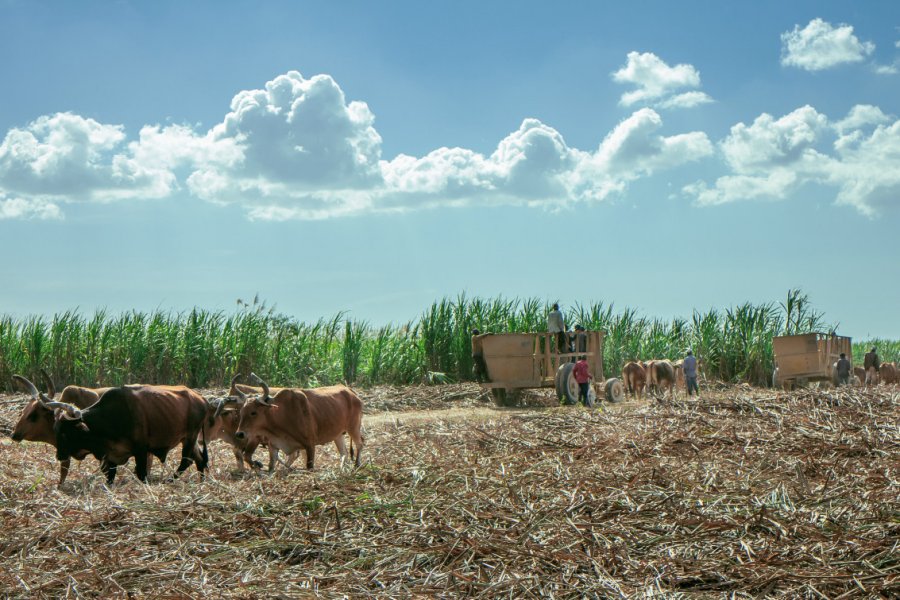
column 665, row 375
column 142, row 421
column 659, row 375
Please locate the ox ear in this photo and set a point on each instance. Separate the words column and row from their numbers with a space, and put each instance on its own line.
column 83, row 426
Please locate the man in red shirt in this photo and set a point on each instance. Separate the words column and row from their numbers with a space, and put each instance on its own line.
column 582, row 373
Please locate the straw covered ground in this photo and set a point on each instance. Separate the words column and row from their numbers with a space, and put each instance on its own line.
column 745, row 493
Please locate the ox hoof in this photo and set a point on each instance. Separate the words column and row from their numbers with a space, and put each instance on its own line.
column 256, row 464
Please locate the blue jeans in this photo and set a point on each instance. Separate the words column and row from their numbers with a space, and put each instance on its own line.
column 583, row 390
column 691, row 383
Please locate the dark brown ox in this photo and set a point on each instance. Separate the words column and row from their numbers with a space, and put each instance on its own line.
column 635, row 377
column 661, row 376
column 39, row 415
column 135, row 420
column 303, row 419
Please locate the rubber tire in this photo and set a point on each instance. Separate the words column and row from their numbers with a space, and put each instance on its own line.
column 615, row 390
column 567, row 388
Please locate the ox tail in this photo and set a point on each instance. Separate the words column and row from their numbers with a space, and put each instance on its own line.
column 205, row 455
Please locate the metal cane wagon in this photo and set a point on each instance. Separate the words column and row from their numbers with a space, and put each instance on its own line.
column 516, row 361
column 800, row 359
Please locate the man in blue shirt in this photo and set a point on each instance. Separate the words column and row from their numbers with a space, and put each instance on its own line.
column 690, row 373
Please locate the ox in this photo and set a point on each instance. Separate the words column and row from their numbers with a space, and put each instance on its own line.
column 39, row 415
column 222, row 424
column 135, row 420
column 635, row 377
column 661, row 376
column 888, row 373
column 303, row 419
column 860, row 374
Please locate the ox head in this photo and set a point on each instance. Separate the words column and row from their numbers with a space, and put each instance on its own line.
column 73, row 437
column 223, row 413
column 253, row 412
column 38, row 417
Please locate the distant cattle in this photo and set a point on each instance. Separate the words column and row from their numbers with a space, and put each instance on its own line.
column 635, row 377
column 860, row 374
column 661, row 376
column 888, row 373
column 135, row 420
column 303, row 419
column 38, row 417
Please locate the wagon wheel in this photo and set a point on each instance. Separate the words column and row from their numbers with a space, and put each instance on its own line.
column 557, row 381
column 615, row 390
column 566, row 387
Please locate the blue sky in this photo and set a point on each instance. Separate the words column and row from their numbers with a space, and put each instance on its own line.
column 374, row 157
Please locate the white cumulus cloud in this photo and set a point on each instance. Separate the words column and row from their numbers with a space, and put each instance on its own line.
column 820, row 46
column 658, row 83
column 65, row 158
column 858, row 156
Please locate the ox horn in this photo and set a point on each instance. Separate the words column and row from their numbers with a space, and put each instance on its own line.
column 31, row 389
column 27, row 386
column 255, row 379
column 234, row 391
column 72, row 413
column 51, row 390
column 219, row 403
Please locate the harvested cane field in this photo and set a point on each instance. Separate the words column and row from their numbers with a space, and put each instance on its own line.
column 745, row 493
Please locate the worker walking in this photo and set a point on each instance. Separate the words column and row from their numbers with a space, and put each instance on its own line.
column 582, row 374
column 689, row 368
column 556, row 324
column 843, row 370
column 872, row 365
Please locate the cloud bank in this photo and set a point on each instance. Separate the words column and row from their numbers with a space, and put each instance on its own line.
column 298, row 149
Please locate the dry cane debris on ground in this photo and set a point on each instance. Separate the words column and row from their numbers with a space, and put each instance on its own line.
column 745, row 493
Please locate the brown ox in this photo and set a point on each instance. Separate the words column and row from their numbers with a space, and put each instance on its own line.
column 222, row 424
column 860, row 374
column 888, row 373
column 39, row 415
column 635, row 377
column 303, row 419
column 661, row 376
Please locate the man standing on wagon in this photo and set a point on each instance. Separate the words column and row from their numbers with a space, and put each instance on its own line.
column 872, row 365
column 555, row 324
